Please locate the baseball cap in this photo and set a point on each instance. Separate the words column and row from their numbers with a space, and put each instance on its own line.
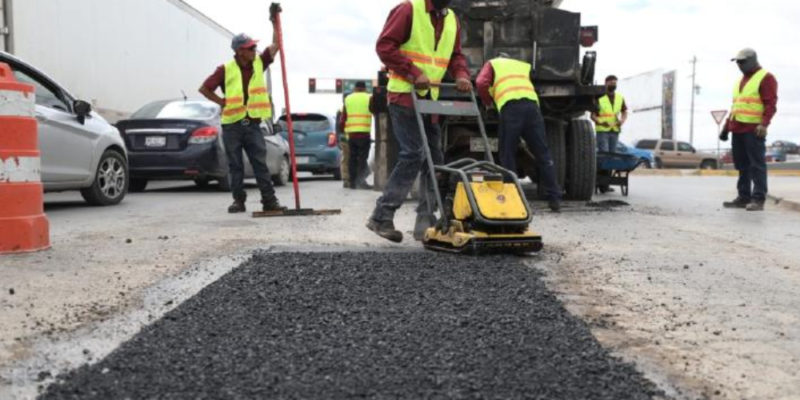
column 242, row 40
column 744, row 54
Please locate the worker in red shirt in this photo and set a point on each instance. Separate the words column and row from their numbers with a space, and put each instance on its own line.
column 418, row 59
column 245, row 105
column 506, row 84
column 755, row 100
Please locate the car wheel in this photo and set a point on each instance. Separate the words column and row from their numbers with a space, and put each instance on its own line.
column 646, row 164
column 708, row 164
column 284, row 173
column 337, row 174
column 659, row 165
column 137, row 185
column 110, row 181
column 201, row 182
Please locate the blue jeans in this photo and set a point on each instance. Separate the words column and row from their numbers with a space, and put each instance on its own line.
column 250, row 138
column 410, row 163
column 523, row 118
column 749, row 158
column 607, row 141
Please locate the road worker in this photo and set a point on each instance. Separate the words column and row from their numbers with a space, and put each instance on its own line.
column 420, row 43
column 611, row 114
column 507, row 85
column 755, row 100
column 356, row 121
column 245, row 105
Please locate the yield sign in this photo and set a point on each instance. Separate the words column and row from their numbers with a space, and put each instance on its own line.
column 719, row 115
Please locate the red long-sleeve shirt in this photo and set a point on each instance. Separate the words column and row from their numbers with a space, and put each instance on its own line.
column 485, row 81
column 397, row 31
column 769, row 95
column 217, row 79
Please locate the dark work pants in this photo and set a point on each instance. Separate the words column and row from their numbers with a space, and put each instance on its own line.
column 522, row 118
column 749, row 158
column 250, row 138
column 410, row 163
column 357, row 163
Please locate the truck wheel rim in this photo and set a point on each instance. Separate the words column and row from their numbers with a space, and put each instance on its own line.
column 111, row 178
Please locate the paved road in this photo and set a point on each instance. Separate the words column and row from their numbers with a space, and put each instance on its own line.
column 702, row 299
column 383, row 325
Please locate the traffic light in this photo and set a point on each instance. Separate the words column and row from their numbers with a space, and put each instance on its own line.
column 312, row 85
column 339, row 86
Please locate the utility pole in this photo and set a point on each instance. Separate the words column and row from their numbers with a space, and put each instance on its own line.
column 694, row 90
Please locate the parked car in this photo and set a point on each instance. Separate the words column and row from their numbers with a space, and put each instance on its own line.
column 675, row 154
column 79, row 149
column 786, row 146
column 316, row 144
column 775, row 155
column 646, row 157
column 727, row 158
column 182, row 139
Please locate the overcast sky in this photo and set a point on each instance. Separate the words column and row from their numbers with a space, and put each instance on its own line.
column 336, row 38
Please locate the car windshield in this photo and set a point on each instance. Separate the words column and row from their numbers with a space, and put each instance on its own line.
column 177, row 110
column 307, row 122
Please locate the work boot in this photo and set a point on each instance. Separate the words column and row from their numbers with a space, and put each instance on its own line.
column 271, row 204
column 738, row 202
column 555, row 206
column 423, row 222
column 755, row 205
column 385, row 229
column 237, row 207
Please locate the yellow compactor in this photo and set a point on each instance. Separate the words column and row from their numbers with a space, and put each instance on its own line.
column 482, row 207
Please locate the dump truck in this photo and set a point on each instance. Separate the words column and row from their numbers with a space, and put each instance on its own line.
column 551, row 39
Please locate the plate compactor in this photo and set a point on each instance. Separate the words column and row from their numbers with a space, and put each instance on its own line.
column 482, row 207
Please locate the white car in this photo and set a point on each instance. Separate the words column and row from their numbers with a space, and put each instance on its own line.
column 79, row 149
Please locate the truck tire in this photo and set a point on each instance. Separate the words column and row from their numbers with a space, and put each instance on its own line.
column 556, row 143
column 581, row 161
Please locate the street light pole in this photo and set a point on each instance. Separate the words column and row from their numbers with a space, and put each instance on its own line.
column 694, row 90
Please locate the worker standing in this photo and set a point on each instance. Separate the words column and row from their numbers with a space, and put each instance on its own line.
column 356, row 121
column 508, row 84
column 245, row 105
column 420, row 43
column 611, row 114
column 755, row 100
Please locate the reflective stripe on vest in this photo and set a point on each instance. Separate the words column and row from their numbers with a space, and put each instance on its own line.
column 512, row 81
column 748, row 107
column 258, row 103
column 359, row 119
column 608, row 113
column 422, row 50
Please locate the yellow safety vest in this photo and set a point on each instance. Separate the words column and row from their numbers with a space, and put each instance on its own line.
column 258, row 104
column 608, row 113
column 422, row 49
column 748, row 107
column 359, row 119
column 512, row 81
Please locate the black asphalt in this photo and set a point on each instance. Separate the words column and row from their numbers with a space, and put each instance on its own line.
column 364, row 325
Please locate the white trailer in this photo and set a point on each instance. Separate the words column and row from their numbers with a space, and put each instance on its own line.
column 116, row 54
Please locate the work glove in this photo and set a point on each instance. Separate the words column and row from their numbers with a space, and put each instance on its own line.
column 761, row 132
column 724, row 134
column 274, row 9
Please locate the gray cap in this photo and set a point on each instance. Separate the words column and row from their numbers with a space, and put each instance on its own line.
column 242, row 40
column 744, row 54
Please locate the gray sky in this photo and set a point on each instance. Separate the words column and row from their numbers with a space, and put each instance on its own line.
column 336, row 38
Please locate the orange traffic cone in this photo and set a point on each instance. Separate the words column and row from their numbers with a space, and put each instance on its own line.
column 23, row 225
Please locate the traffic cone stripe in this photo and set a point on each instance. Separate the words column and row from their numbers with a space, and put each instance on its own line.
column 20, row 169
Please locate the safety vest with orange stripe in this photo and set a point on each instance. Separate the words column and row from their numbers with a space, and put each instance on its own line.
column 512, row 81
column 258, row 104
column 359, row 119
column 748, row 107
column 609, row 113
column 422, row 49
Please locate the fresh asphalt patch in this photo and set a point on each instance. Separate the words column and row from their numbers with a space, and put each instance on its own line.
column 364, row 325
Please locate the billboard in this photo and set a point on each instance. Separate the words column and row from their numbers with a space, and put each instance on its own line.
column 668, row 106
column 650, row 98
